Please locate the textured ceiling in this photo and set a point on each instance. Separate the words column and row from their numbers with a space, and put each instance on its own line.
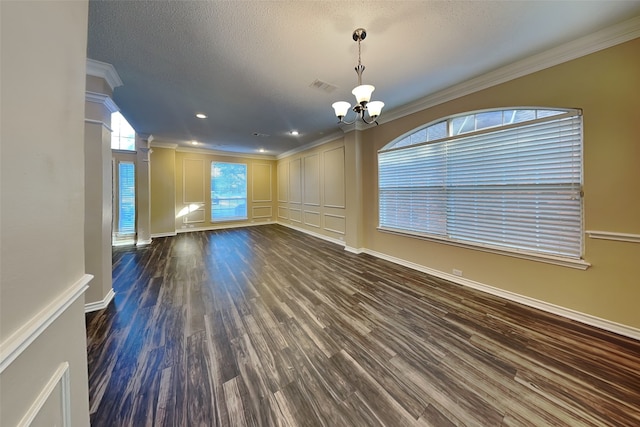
column 250, row 65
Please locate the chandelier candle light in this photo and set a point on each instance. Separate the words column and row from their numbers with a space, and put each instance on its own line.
column 361, row 92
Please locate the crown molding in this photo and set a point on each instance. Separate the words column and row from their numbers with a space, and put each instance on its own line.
column 603, row 39
column 316, row 143
column 223, row 153
column 105, row 71
column 100, row 98
column 158, row 144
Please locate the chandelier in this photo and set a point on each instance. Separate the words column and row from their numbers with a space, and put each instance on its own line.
column 361, row 92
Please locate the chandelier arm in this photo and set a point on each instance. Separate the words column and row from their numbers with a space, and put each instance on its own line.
column 369, row 123
column 348, row 123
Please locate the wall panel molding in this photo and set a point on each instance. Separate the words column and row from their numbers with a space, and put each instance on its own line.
column 261, row 212
column 59, row 377
column 295, row 215
column 609, row 235
column 195, row 173
column 17, row 342
column 335, row 223
column 267, row 196
column 334, row 184
column 312, row 218
column 283, row 212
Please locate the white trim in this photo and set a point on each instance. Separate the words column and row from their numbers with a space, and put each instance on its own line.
column 609, row 235
column 18, row 341
column 356, row 251
column 603, row 39
column 98, row 122
column 253, row 166
column 166, row 234
column 587, row 319
column 100, row 305
column 143, row 242
column 224, row 153
column 223, row 227
column 102, row 99
column 105, row 71
column 329, row 138
column 124, row 242
column 158, row 144
column 61, row 376
column 579, row 264
column 311, row 233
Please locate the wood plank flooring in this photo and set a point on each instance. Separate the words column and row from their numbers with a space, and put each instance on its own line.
column 266, row 326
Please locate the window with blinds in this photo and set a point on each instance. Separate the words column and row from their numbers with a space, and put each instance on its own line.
column 505, row 179
column 126, row 198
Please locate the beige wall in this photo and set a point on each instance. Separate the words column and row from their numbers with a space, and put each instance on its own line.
column 42, row 176
column 163, row 191
column 312, row 185
column 606, row 86
column 180, row 178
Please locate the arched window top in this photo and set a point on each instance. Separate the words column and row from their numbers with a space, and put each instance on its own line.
column 475, row 121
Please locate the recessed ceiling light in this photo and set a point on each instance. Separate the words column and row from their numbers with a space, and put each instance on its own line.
column 294, row 133
column 194, row 142
column 201, row 116
column 261, row 150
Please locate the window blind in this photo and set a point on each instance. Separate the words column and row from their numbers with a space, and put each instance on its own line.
column 126, row 198
column 516, row 187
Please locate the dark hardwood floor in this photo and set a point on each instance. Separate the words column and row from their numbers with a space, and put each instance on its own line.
column 267, row 326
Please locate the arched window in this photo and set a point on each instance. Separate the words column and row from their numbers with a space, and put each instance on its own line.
column 505, row 179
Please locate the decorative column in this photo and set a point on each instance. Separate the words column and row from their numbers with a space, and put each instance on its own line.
column 143, row 178
column 101, row 80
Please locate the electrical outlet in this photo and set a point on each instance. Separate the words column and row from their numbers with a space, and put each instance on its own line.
column 457, row 272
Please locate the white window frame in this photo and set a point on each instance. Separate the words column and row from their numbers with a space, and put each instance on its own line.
column 425, row 187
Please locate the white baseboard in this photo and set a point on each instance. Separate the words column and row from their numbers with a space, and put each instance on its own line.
column 587, row 319
column 224, row 226
column 143, row 242
column 568, row 313
column 168, row 234
column 100, row 305
column 60, row 376
column 311, row 233
column 17, row 342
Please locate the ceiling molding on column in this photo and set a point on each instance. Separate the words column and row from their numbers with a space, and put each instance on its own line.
column 100, row 98
column 159, row 144
column 105, row 71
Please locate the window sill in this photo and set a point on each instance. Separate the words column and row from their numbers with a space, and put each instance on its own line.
column 579, row 264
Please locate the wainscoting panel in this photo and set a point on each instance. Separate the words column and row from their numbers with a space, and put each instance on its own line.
column 261, row 182
column 312, row 218
column 283, row 182
column 295, row 181
column 295, row 215
column 261, row 212
column 334, row 182
column 52, row 407
column 193, row 181
column 335, row 223
column 312, row 180
column 283, row 212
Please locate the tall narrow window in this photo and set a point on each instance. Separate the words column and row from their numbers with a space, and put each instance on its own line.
column 126, row 198
column 122, row 134
column 506, row 179
column 228, row 191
